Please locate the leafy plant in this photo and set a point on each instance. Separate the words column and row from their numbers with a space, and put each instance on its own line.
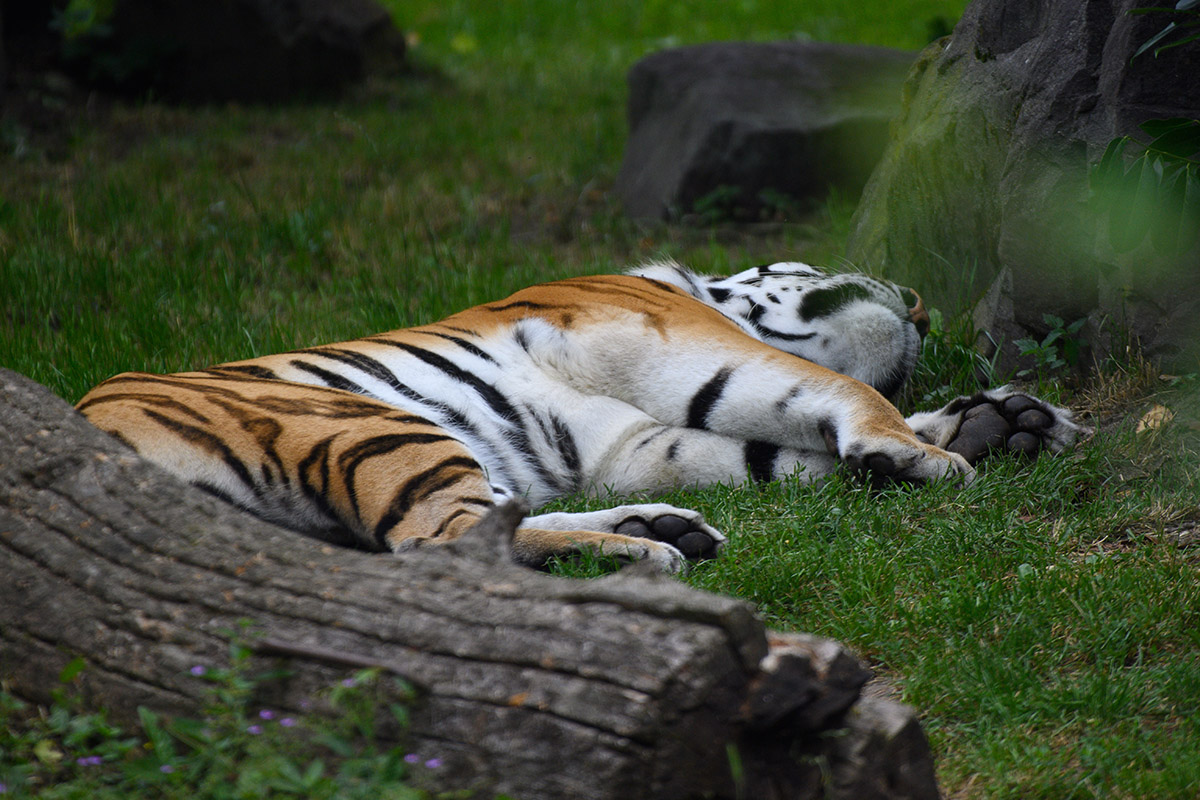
column 83, row 18
column 718, row 205
column 236, row 750
column 1158, row 192
column 1189, row 9
column 950, row 364
column 1155, row 194
column 1058, row 349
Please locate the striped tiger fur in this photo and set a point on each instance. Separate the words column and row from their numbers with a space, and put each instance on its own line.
column 621, row 383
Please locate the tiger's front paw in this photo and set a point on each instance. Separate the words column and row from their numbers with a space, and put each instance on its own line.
column 660, row 534
column 913, row 463
column 682, row 529
column 1012, row 422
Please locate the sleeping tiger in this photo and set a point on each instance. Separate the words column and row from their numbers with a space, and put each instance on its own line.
column 632, row 383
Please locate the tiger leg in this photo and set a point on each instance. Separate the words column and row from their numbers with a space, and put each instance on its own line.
column 662, row 457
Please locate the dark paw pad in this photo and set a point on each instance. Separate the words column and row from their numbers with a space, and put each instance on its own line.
column 1014, row 426
column 983, row 429
column 673, row 530
column 878, row 468
column 1024, row 443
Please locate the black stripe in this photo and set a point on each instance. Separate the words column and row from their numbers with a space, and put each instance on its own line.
column 225, row 496
column 703, row 401
column 565, row 442
column 250, row 370
column 766, row 332
column 782, row 403
column 498, row 402
column 755, row 314
column 377, row 369
column 718, row 294
column 265, row 430
column 829, row 433
column 650, row 438
column 158, row 400
column 317, row 494
column 823, row 302
column 690, row 280
column 266, row 433
column 363, row 363
column 352, row 458
column 418, row 487
column 207, row 441
column 331, row 379
column 601, row 285
column 518, row 436
column 760, row 459
column 463, row 331
column 521, row 339
column 441, row 529
column 891, row 384
column 516, row 304
column 464, row 344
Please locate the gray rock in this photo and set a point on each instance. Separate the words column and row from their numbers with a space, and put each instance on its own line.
column 245, row 50
column 740, row 128
column 988, row 171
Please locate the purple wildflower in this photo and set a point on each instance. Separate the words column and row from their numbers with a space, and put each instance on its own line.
column 254, row 729
column 266, row 713
column 412, row 758
column 349, row 683
column 287, row 722
column 433, row 763
column 166, row 769
column 89, row 761
column 198, row 670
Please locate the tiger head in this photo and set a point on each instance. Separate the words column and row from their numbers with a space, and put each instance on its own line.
column 854, row 324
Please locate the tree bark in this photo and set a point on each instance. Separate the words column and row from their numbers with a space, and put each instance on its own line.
column 539, row 687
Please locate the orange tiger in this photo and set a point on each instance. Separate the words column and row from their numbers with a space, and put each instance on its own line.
column 630, row 383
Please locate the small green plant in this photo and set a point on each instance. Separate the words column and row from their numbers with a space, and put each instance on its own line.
column 235, row 750
column 950, row 364
column 718, row 205
column 1058, row 349
column 779, row 206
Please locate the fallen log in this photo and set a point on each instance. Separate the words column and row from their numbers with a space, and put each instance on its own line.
column 629, row 686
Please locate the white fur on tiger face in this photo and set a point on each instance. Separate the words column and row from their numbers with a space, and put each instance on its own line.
column 624, row 383
column 850, row 323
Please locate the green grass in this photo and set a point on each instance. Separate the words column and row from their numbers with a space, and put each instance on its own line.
column 1043, row 619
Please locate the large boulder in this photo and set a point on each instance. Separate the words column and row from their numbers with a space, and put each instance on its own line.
column 741, row 129
column 245, row 50
column 984, row 188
